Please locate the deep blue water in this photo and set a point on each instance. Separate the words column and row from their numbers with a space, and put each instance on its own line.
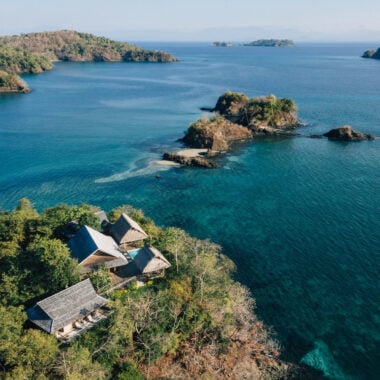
column 299, row 216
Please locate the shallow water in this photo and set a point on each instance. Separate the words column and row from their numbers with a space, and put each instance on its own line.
column 299, row 216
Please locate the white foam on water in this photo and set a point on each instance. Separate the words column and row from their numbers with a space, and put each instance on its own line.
column 132, row 172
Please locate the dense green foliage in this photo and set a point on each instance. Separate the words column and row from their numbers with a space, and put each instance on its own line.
column 15, row 60
column 197, row 322
column 34, row 258
column 69, row 45
column 268, row 110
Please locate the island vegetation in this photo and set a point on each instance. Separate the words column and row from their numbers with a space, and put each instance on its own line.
column 271, row 43
column 18, row 61
column 375, row 54
column 12, row 83
column 35, row 52
column 196, row 322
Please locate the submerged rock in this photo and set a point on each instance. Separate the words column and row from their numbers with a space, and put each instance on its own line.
column 196, row 161
column 346, row 133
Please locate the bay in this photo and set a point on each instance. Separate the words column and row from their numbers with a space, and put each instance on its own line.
column 299, row 216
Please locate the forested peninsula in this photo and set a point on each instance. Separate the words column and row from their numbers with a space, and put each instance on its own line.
column 35, row 52
column 193, row 322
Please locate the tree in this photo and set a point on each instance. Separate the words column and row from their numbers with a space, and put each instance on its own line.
column 51, row 264
column 76, row 364
column 101, row 280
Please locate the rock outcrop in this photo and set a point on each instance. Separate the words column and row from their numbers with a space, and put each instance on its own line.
column 190, row 161
column 346, row 133
column 375, row 54
column 216, row 134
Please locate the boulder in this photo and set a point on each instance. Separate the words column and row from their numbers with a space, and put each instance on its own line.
column 346, row 133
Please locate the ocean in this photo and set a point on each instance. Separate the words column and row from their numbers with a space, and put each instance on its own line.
column 298, row 216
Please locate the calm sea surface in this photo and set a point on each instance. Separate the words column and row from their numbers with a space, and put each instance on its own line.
column 299, row 216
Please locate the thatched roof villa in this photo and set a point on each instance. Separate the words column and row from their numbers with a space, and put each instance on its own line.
column 150, row 260
column 93, row 249
column 63, row 312
column 126, row 231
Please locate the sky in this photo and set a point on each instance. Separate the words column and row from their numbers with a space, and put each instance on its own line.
column 195, row 20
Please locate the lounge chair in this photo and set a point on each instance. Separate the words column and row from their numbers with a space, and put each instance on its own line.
column 78, row 325
column 91, row 319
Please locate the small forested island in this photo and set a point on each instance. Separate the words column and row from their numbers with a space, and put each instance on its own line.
column 222, row 44
column 239, row 118
column 271, row 43
column 85, row 294
column 375, row 54
column 35, row 52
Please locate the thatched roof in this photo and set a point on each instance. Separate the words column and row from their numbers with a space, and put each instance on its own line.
column 126, row 230
column 87, row 241
column 150, row 259
column 65, row 307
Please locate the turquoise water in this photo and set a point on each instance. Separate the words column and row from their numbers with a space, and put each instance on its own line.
column 299, row 216
column 133, row 253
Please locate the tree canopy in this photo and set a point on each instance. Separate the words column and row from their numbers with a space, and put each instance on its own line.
column 195, row 322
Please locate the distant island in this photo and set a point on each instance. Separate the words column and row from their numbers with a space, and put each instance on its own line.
column 34, row 53
column 271, row 43
column 222, row 44
column 375, row 54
